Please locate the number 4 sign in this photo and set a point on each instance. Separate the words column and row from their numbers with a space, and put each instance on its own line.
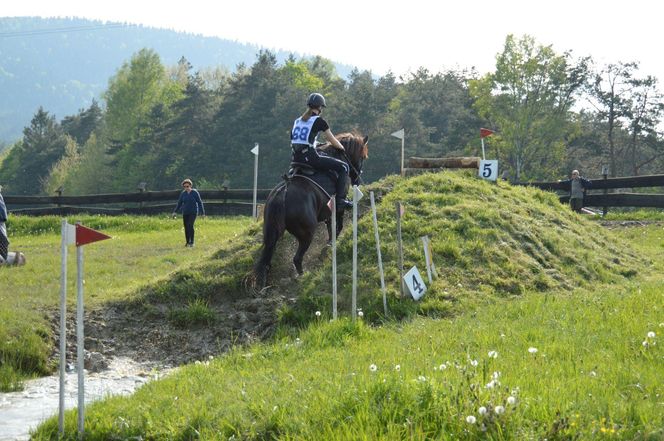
column 415, row 283
column 489, row 169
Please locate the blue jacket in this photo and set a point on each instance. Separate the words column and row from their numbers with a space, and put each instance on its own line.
column 190, row 203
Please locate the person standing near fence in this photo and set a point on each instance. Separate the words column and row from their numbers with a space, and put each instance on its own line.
column 577, row 190
column 191, row 205
column 4, row 240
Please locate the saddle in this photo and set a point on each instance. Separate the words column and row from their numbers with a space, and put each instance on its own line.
column 324, row 179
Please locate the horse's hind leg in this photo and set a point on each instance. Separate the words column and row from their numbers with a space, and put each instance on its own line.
column 304, row 241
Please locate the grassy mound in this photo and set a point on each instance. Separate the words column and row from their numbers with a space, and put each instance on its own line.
column 488, row 239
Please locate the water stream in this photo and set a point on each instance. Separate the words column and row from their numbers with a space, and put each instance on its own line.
column 22, row 411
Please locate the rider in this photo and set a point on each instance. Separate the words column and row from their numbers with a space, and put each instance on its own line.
column 303, row 142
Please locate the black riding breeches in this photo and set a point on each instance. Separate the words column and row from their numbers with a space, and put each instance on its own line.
column 310, row 156
column 188, row 221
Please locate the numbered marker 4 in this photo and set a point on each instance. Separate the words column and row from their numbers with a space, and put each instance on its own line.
column 415, row 283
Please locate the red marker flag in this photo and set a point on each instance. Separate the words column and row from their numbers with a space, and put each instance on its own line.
column 485, row 132
column 85, row 235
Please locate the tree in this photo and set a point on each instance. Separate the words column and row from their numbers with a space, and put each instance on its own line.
column 611, row 91
column 29, row 162
column 529, row 99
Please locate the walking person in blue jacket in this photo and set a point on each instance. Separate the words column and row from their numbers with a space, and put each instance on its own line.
column 191, row 205
column 4, row 241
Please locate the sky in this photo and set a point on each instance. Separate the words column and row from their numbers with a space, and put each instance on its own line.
column 396, row 35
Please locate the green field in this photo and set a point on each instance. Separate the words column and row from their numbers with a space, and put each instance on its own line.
column 543, row 325
column 142, row 251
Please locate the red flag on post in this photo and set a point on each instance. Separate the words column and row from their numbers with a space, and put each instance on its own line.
column 485, row 132
column 85, row 235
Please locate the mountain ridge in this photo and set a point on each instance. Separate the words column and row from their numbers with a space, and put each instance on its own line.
column 62, row 64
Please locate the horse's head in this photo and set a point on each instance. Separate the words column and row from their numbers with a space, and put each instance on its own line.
column 356, row 152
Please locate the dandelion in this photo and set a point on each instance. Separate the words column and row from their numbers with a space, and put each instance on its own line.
column 499, row 410
column 661, row 325
column 493, row 354
column 470, row 419
column 360, row 314
column 491, row 384
column 397, row 367
column 482, row 410
column 645, row 343
column 373, row 367
column 511, row 400
column 532, row 350
column 651, row 334
column 473, row 363
column 421, row 378
column 317, row 313
column 495, row 375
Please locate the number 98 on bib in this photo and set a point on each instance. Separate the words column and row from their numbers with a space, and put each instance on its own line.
column 489, row 169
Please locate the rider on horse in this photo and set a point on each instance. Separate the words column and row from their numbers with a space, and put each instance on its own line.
column 303, row 142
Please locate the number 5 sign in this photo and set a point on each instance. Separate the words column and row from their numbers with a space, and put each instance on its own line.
column 489, row 169
column 415, row 283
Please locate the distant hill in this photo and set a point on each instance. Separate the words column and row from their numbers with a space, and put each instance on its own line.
column 61, row 64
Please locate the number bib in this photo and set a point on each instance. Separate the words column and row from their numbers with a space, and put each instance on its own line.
column 302, row 130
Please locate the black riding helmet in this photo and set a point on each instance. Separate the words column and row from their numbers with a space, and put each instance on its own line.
column 316, row 100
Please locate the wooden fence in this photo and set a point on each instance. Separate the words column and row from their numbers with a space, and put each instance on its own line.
column 219, row 202
column 599, row 196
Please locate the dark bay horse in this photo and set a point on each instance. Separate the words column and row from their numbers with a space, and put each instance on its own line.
column 298, row 205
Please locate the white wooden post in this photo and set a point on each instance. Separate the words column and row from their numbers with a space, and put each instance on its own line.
column 380, row 259
column 80, row 340
column 255, row 152
column 63, row 328
column 397, row 205
column 333, row 227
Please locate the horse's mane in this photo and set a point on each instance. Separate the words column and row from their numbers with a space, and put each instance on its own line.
column 352, row 142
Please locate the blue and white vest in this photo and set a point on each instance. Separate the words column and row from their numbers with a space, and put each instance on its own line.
column 302, row 130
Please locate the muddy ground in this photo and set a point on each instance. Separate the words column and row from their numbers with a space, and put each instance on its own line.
column 246, row 317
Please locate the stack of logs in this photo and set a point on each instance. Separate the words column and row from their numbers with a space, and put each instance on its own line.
column 421, row 165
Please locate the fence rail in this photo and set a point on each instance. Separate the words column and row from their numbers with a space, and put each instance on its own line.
column 223, row 202
column 618, row 199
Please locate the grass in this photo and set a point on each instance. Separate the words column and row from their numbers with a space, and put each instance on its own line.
column 590, row 378
column 142, row 251
column 547, row 322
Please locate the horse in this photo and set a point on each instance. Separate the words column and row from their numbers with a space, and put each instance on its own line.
column 299, row 203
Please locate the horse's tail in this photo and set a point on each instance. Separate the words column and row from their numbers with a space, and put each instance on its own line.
column 274, row 225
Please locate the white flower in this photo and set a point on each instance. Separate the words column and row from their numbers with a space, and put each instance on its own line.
column 593, row 373
column 470, row 419
column 491, row 384
column 442, row 367
column 459, row 285
column 360, row 313
column 397, row 367
column 317, row 313
column 651, row 334
column 421, row 378
column 645, row 343
column 511, row 400
column 532, row 350
column 493, row 354
column 661, row 325
column 495, row 375
column 499, row 410
column 373, row 368
column 482, row 410
column 473, row 363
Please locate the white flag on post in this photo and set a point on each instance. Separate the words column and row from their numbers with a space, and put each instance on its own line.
column 255, row 150
column 398, row 134
column 70, row 234
column 357, row 194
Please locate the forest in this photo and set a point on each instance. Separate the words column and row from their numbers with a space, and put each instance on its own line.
column 157, row 124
